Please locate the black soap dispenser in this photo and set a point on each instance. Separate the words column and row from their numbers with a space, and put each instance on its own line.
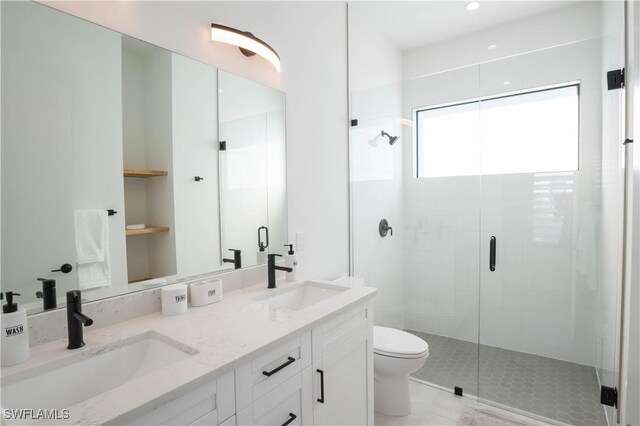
column 290, row 261
column 48, row 293
column 15, row 332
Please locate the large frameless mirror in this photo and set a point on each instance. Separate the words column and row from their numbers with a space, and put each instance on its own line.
column 115, row 173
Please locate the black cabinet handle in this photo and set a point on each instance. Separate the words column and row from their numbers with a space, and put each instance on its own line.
column 198, row 178
column 292, row 417
column 290, row 361
column 492, row 254
column 321, row 399
column 65, row 269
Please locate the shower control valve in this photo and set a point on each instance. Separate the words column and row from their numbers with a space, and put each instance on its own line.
column 384, row 228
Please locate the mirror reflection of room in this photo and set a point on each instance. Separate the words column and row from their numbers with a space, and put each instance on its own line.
column 129, row 183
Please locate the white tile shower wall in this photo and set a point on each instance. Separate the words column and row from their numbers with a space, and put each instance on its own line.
column 377, row 194
column 311, row 38
column 550, row 313
column 376, row 167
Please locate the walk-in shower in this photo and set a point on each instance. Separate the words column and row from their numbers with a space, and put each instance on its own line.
column 505, row 195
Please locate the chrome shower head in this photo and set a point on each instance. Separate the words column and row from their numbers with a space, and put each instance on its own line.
column 392, row 139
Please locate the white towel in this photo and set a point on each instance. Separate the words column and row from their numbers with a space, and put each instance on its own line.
column 92, row 248
column 91, row 229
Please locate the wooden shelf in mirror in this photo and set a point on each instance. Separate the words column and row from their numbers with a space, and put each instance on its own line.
column 139, row 280
column 142, row 173
column 147, row 230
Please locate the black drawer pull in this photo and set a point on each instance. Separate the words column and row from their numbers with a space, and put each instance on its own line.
column 321, row 399
column 492, row 254
column 290, row 361
column 292, row 417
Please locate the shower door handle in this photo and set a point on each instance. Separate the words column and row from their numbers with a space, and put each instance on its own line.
column 492, row 254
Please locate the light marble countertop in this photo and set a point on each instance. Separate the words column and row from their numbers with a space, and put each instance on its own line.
column 225, row 334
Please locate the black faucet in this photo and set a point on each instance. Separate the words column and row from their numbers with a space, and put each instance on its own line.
column 272, row 268
column 237, row 259
column 48, row 293
column 76, row 320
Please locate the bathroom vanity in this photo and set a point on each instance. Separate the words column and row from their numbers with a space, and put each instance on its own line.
column 300, row 354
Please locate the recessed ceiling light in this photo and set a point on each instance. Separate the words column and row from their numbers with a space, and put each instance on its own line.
column 492, row 47
column 474, row 5
column 506, row 83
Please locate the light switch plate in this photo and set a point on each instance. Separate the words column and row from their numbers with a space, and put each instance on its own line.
column 299, row 241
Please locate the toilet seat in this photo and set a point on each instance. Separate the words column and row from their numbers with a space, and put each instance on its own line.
column 395, row 343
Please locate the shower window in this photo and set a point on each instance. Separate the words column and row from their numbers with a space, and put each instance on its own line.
column 532, row 132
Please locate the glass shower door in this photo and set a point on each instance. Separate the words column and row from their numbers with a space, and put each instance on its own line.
column 442, row 225
column 548, row 232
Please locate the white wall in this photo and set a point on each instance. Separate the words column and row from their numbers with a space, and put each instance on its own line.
column 375, row 68
column 311, row 39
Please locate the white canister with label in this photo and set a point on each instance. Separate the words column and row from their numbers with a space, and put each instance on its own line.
column 174, row 299
column 205, row 292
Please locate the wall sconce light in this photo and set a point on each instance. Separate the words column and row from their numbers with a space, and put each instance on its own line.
column 248, row 44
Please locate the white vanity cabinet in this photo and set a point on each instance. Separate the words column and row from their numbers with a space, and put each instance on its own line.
column 275, row 388
column 323, row 377
column 211, row 404
column 343, row 369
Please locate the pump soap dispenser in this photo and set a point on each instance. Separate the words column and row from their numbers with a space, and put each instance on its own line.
column 15, row 332
column 290, row 261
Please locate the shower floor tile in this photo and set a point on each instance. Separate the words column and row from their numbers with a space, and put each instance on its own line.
column 555, row 389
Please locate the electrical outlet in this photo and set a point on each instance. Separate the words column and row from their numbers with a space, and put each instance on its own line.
column 299, row 241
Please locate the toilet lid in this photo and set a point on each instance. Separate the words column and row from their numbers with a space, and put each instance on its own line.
column 398, row 343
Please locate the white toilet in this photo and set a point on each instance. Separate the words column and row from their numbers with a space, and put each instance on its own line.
column 396, row 354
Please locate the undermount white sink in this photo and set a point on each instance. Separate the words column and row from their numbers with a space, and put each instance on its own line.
column 302, row 295
column 79, row 377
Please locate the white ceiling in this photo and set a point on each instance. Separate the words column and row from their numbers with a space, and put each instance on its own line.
column 412, row 24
